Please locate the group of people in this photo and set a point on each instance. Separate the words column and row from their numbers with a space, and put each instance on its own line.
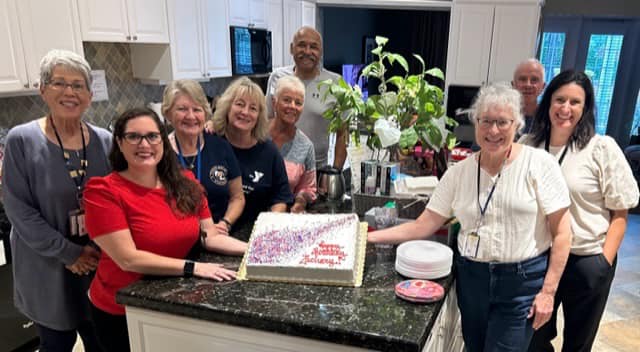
column 541, row 219
column 93, row 211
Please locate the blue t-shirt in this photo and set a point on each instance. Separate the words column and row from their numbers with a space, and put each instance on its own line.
column 264, row 179
column 218, row 166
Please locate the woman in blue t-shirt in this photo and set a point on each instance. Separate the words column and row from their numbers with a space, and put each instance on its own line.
column 241, row 117
column 208, row 156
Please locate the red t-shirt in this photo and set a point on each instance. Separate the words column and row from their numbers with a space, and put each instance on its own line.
column 114, row 203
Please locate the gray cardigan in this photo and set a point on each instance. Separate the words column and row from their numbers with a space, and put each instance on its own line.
column 38, row 196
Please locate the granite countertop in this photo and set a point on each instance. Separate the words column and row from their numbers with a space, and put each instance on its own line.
column 369, row 316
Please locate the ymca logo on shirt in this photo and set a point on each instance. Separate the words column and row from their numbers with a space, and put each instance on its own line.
column 218, row 175
column 257, row 175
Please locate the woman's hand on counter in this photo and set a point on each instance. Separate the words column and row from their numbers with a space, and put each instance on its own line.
column 221, row 228
column 213, row 271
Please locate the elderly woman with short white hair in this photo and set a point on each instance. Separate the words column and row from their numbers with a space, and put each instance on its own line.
column 512, row 204
column 295, row 147
column 46, row 165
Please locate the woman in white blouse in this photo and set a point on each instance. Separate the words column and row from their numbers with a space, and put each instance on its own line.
column 602, row 189
column 504, row 196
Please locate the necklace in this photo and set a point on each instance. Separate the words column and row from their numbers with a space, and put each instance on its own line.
column 190, row 161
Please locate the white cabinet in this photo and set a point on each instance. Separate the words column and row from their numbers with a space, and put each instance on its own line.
column 28, row 30
column 488, row 40
column 135, row 21
column 199, row 46
column 279, row 44
column 308, row 14
column 296, row 14
column 248, row 13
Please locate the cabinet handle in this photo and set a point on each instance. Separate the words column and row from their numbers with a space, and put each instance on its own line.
column 128, row 37
column 35, row 85
column 135, row 37
column 26, row 85
column 208, row 74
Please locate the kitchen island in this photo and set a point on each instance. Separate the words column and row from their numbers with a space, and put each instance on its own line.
column 191, row 314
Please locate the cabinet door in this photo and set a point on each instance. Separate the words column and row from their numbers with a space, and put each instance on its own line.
column 469, row 44
column 148, row 21
column 216, row 43
column 292, row 21
column 258, row 13
column 186, row 40
column 308, row 14
column 279, row 46
column 239, row 13
column 13, row 73
column 37, row 18
column 103, row 21
column 515, row 28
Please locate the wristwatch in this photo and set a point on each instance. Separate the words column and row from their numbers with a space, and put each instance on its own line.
column 227, row 222
column 188, row 268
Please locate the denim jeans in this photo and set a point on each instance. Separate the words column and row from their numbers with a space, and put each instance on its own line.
column 494, row 301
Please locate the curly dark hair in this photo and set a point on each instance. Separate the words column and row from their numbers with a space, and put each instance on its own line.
column 585, row 129
column 183, row 194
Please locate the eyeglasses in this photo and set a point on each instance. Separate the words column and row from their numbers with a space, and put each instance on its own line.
column 61, row 85
column 135, row 138
column 502, row 124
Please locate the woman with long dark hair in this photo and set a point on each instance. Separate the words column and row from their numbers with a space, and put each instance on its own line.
column 602, row 189
column 146, row 216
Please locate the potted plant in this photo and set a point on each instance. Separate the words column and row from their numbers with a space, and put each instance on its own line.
column 395, row 119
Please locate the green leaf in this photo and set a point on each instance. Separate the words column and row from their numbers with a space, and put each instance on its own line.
column 435, row 72
column 397, row 81
column 408, row 138
column 377, row 51
column 381, row 41
column 422, row 65
column 401, row 60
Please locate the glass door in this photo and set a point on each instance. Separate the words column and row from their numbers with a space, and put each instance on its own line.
column 604, row 49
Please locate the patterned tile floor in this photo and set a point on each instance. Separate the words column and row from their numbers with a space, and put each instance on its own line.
column 620, row 326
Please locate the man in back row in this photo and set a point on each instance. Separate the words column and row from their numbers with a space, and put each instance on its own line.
column 306, row 49
column 528, row 79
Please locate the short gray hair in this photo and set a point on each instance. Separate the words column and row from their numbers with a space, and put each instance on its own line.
column 66, row 59
column 530, row 61
column 500, row 95
column 289, row 82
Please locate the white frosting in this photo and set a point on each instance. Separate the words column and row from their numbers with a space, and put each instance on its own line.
column 304, row 248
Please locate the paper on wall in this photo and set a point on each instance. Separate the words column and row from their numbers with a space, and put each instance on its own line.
column 99, row 86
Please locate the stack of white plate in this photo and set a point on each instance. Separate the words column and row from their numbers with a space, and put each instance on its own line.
column 423, row 260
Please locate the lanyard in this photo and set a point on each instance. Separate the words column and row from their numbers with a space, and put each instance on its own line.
column 77, row 175
column 184, row 162
column 564, row 152
column 483, row 210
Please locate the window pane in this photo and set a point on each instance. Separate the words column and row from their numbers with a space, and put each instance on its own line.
column 602, row 67
column 551, row 53
column 636, row 118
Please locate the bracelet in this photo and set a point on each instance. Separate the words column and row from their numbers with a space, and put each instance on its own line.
column 226, row 222
column 187, row 271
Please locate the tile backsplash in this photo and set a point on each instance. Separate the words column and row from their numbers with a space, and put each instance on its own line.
column 124, row 91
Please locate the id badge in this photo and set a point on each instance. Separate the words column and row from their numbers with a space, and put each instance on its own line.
column 76, row 223
column 471, row 245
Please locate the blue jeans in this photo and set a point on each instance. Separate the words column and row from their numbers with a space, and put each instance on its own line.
column 494, row 301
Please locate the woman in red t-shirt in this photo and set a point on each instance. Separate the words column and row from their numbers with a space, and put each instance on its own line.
column 145, row 216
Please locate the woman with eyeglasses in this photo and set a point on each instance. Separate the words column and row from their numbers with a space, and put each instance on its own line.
column 146, row 216
column 209, row 157
column 46, row 165
column 241, row 117
column 602, row 189
column 511, row 202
